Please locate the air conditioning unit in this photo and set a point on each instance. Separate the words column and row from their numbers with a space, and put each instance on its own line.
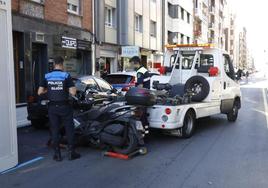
column 39, row 37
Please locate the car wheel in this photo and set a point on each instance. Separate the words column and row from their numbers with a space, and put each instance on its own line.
column 232, row 116
column 188, row 125
column 39, row 123
column 199, row 86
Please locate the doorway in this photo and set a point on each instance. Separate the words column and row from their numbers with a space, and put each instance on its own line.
column 19, row 66
column 39, row 63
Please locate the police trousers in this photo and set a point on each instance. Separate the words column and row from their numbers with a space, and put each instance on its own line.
column 61, row 115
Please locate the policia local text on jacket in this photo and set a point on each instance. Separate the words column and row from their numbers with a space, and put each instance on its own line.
column 58, row 84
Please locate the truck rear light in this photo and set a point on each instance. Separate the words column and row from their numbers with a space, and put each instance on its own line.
column 213, row 71
column 162, row 70
column 168, row 111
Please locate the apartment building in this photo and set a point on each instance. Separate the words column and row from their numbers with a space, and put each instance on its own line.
column 125, row 28
column 177, row 21
column 201, row 21
column 230, row 37
column 243, row 50
column 216, row 23
column 43, row 29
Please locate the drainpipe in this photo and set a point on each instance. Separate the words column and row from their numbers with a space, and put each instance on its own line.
column 93, row 45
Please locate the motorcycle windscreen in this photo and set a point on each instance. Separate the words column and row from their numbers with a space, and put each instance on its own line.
column 8, row 130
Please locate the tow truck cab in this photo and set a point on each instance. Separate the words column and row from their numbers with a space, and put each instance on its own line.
column 183, row 62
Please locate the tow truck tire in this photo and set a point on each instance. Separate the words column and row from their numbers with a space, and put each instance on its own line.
column 199, row 85
column 188, row 125
column 232, row 116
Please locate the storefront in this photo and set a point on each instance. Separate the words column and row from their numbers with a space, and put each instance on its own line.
column 127, row 52
column 76, row 54
column 107, row 59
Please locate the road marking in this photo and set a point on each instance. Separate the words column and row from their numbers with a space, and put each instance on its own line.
column 265, row 106
column 22, row 165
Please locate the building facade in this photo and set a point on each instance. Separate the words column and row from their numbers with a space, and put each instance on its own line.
column 201, row 21
column 243, row 50
column 177, row 21
column 43, row 30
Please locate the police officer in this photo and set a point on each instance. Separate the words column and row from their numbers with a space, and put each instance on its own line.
column 143, row 76
column 143, row 81
column 58, row 85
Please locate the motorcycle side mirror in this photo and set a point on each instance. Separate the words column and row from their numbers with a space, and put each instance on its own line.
column 114, row 90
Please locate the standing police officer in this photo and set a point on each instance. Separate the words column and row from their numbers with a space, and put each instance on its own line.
column 143, row 81
column 143, row 76
column 58, row 85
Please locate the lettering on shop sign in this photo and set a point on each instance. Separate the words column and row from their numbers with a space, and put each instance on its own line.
column 130, row 51
column 67, row 42
column 83, row 45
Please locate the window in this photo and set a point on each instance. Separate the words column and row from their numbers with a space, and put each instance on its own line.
column 228, row 67
column 153, row 29
column 173, row 10
column 88, row 82
column 110, row 17
column 188, row 17
column 196, row 3
column 182, row 13
column 138, row 23
column 188, row 40
column 182, row 39
column 104, row 86
column 73, row 6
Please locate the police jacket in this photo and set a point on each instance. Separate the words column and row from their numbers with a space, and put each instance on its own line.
column 57, row 84
column 143, row 77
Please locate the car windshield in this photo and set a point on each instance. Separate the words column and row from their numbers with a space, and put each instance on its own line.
column 119, row 79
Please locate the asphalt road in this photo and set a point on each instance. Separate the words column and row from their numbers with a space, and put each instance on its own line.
column 219, row 155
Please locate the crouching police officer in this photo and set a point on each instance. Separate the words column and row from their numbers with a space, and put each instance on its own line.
column 58, row 85
column 143, row 81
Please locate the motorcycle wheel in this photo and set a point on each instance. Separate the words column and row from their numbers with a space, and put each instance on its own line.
column 130, row 145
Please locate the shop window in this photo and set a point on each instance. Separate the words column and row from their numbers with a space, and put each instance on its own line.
column 110, row 17
column 153, row 29
column 138, row 23
column 73, row 6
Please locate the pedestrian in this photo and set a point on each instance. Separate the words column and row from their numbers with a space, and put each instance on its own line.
column 59, row 85
column 143, row 81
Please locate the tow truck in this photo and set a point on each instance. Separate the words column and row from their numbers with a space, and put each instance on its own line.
column 205, row 72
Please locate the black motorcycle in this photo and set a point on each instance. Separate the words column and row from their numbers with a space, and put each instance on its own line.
column 108, row 123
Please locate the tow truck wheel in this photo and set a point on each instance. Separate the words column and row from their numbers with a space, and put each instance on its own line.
column 188, row 125
column 232, row 116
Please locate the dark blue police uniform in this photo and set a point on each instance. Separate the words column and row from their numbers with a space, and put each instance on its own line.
column 143, row 77
column 60, row 111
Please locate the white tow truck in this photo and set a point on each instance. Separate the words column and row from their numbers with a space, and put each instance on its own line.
column 206, row 72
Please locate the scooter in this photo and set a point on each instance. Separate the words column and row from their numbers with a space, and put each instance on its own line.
column 107, row 124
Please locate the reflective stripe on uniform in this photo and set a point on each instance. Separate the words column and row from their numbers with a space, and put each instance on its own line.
column 146, row 79
column 142, row 70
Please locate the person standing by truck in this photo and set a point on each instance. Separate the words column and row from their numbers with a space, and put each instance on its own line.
column 143, row 81
column 58, row 85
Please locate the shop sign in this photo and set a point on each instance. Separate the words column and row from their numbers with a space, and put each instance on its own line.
column 83, row 45
column 67, row 42
column 130, row 51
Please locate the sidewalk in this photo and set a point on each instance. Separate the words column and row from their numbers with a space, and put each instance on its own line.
column 21, row 113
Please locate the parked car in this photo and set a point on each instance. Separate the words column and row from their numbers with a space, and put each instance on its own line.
column 122, row 81
column 37, row 105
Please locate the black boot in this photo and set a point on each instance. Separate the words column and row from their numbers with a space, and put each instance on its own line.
column 57, row 155
column 72, row 154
